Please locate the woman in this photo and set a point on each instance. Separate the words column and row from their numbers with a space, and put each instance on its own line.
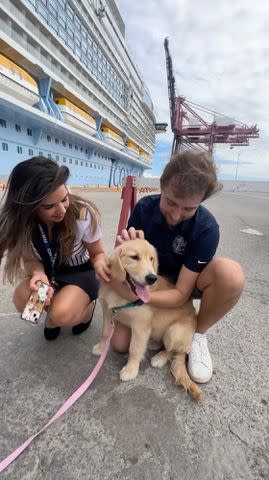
column 55, row 237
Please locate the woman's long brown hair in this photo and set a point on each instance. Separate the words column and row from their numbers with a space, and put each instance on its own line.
column 29, row 183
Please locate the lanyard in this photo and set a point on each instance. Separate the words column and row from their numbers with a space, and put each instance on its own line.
column 52, row 256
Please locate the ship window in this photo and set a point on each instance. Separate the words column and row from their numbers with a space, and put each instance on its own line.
column 70, row 32
column 5, row 146
column 83, row 46
column 76, row 162
column 90, row 165
column 81, row 149
column 76, row 147
column 49, row 155
column 57, row 158
column 56, row 141
column 64, row 159
column 53, row 7
column 77, row 52
column 62, row 34
column 18, row 128
column 31, row 151
column 81, row 163
column 29, row 132
column 41, row 154
column 77, row 22
column 70, row 160
column 70, row 43
column 70, row 12
column 102, row 167
column 63, row 142
column 3, row 123
column 98, row 167
column 84, row 58
column 70, row 145
column 61, row 20
column 77, row 39
column 43, row 12
column 94, row 165
column 83, row 31
column 19, row 149
column 48, row 138
column 86, row 151
column 53, row 24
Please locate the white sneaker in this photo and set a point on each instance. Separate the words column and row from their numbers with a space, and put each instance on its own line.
column 200, row 366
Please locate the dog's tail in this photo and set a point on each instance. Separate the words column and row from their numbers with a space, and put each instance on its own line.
column 179, row 371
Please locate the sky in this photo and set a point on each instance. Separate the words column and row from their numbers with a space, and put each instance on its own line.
column 220, row 54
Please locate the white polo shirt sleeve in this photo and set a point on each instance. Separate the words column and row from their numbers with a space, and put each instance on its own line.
column 84, row 231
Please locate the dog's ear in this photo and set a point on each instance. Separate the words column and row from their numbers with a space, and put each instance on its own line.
column 117, row 270
column 155, row 260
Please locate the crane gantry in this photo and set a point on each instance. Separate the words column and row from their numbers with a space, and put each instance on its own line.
column 200, row 127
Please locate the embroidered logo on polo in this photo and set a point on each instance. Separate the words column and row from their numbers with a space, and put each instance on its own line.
column 179, row 245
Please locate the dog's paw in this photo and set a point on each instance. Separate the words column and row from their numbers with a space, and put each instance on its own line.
column 97, row 349
column 128, row 373
column 160, row 359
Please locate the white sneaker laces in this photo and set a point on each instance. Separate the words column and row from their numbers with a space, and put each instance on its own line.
column 199, row 350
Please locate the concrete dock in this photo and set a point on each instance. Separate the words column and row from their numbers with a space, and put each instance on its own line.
column 146, row 429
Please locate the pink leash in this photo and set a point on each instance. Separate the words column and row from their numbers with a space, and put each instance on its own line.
column 69, row 402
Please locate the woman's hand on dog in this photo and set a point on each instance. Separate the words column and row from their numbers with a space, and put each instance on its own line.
column 102, row 270
column 130, row 234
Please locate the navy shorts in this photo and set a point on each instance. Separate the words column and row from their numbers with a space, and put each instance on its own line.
column 86, row 280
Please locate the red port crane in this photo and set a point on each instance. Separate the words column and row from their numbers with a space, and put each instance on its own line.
column 199, row 127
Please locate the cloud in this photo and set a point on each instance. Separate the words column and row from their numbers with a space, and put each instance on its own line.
column 220, row 57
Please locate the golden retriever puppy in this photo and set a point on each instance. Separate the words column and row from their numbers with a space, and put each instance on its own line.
column 135, row 262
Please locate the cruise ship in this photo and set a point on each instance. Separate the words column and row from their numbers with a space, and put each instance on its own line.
column 70, row 91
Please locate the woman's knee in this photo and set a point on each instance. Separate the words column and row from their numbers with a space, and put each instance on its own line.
column 21, row 295
column 61, row 315
column 121, row 338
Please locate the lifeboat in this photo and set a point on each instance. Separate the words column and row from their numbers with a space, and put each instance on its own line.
column 133, row 148
column 16, row 82
column 76, row 117
column 143, row 154
column 112, row 137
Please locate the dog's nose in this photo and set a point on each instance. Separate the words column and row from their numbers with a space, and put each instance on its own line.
column 151, row 278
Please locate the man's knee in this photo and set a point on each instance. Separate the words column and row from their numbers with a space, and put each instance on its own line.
column 229, row 275
column 121, row 338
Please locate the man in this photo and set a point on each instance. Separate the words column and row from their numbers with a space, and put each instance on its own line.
column 186, row 237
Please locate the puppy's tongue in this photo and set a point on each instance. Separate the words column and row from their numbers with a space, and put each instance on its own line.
column 142, row 293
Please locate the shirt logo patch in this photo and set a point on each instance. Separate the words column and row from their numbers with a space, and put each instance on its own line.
column 179, row 245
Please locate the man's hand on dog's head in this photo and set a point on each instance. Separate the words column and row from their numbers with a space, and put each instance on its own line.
column 130, row 234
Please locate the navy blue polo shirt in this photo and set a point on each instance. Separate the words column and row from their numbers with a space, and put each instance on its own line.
column 192, row 243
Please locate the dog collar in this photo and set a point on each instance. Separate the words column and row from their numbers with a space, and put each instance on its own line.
column 137, row 303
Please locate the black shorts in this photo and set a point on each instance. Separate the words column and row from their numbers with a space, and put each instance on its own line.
column 85, row 280
column 196, row 294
